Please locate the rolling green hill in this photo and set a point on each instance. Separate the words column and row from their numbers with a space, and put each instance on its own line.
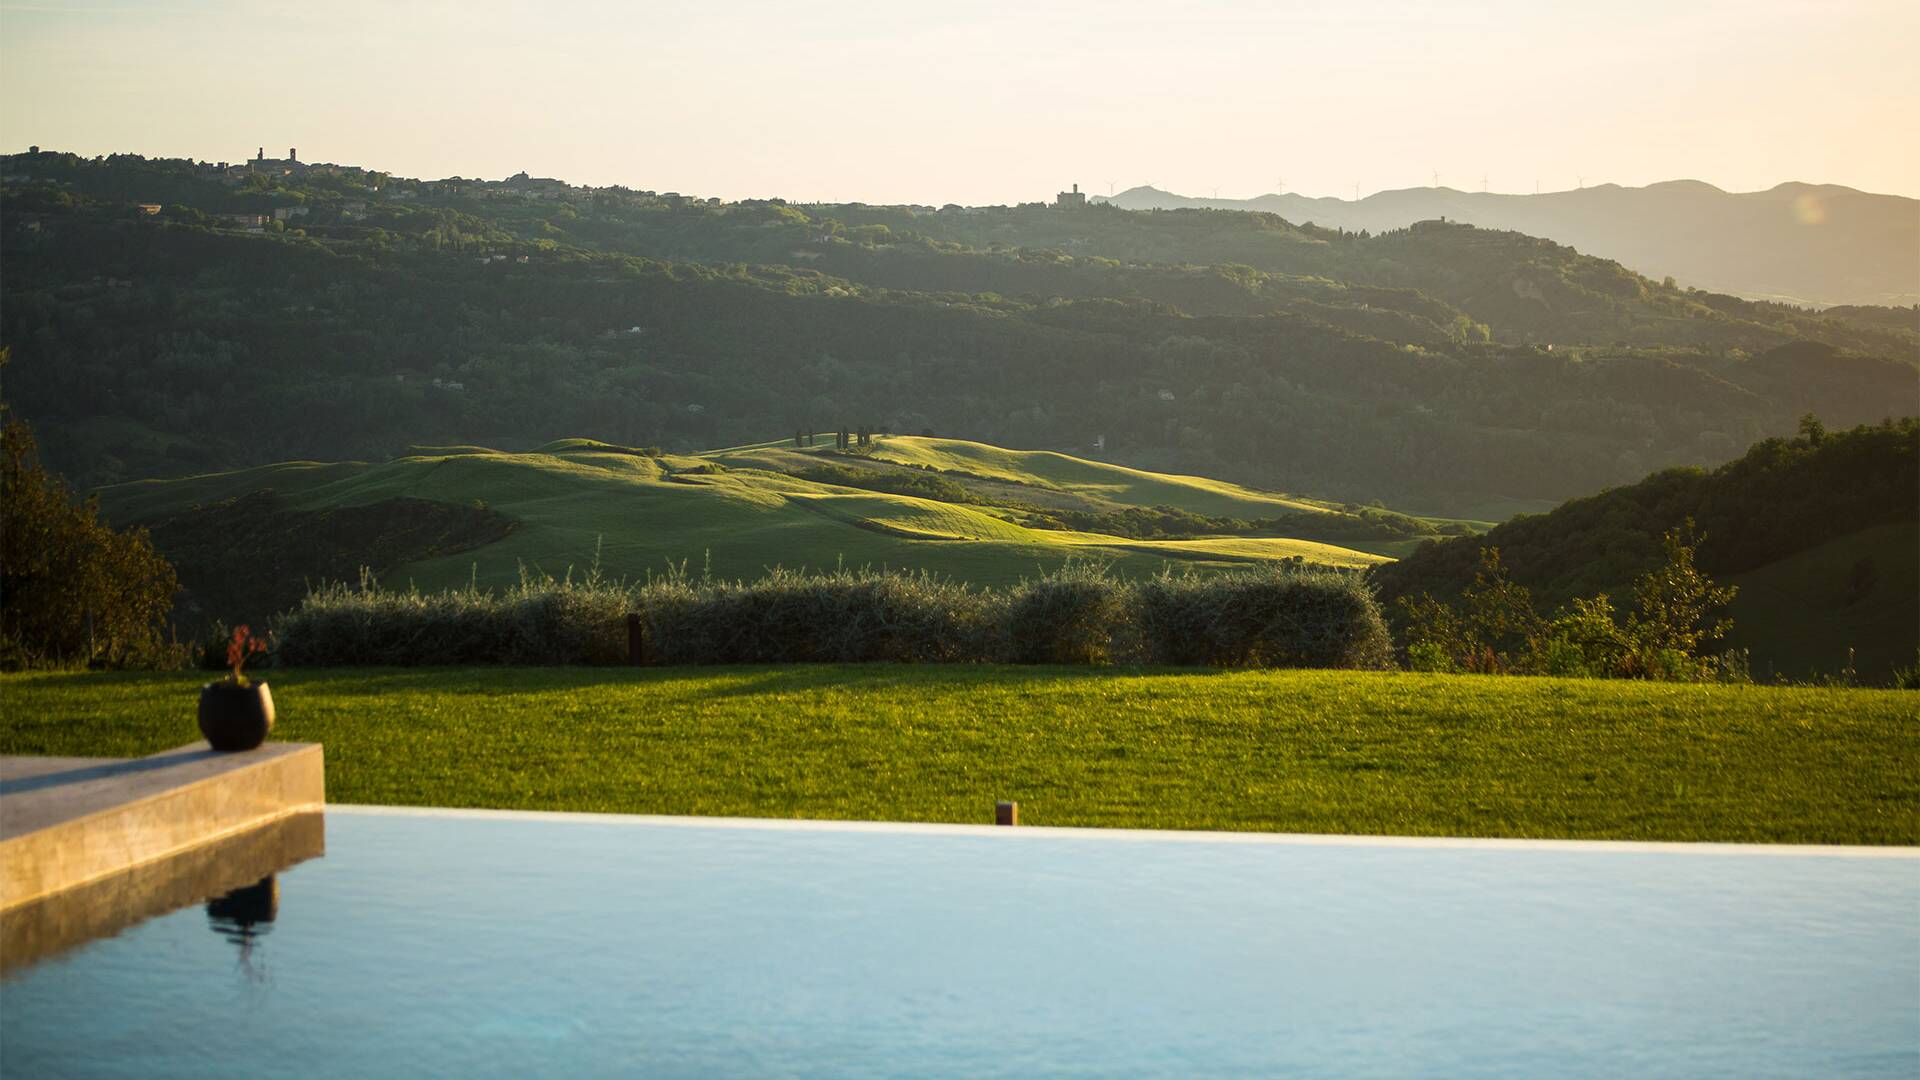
column 738, row 511
column 1045, row 475
column 1801, row 615
column 1818, row 532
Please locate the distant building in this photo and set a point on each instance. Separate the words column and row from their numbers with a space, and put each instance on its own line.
column 286, row 166
column 539, row 187
column 150, row 208
column 1067, row 200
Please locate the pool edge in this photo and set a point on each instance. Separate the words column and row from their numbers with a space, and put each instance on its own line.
column 1028, row 832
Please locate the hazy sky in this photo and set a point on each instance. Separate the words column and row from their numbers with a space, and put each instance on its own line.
column 898, row 101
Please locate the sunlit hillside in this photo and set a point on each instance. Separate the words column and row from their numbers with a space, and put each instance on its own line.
column 574, row 505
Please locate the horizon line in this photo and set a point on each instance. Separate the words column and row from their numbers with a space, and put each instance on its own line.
column 1146, row 186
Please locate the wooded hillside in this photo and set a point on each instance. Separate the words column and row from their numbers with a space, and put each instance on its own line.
column 1443, row 368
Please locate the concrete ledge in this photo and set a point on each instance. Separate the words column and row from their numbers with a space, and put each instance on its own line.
column 68, row 822
column 38, row 929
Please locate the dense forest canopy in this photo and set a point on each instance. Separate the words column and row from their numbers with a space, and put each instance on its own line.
column 168, row 318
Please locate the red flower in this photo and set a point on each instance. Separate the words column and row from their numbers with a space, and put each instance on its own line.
column 243, row 645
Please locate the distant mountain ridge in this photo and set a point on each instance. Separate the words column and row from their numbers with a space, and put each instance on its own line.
column 1813, row 244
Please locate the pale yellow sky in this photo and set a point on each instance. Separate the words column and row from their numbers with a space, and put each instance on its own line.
column 989, row 102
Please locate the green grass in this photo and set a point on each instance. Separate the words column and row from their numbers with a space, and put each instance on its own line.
column 1113, row 483
column 1795, row 617
column 577, row 499
column 1296, row 751
column 920, row 519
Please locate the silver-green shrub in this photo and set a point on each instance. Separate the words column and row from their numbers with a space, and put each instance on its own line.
column 1277, row 617
column 1077, row 615
column 539, row 621
column 849, row 616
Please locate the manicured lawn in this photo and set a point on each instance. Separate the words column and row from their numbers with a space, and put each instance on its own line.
column 1288, row 751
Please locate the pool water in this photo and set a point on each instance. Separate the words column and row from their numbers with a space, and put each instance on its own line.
column 480, row 944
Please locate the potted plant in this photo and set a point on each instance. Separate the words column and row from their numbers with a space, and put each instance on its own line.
column 236, row 713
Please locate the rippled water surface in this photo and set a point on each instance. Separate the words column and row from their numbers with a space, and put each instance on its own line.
column 506, row 945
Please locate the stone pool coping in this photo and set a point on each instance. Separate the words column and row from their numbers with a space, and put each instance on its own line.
column 70, row 822
column 57, row 922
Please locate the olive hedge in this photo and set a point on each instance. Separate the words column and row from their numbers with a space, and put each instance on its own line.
column 1279, row 617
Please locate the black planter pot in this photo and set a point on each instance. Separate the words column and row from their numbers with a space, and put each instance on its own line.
column 234, row 717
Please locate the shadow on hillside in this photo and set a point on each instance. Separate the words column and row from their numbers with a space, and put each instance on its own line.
column 703, row 681
column 793, row 678
column 697, row 681
column 91, row 678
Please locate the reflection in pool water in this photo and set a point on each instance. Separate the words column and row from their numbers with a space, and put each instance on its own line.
column 245, row 915
column 575, row 945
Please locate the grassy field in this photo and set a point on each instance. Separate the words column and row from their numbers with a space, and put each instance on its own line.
column 575, row 498
column 1295, row 751
column 1114, row 483
column 1798, row 616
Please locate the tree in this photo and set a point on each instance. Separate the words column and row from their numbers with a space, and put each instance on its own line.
column 1495, row 630
column 1584, row 640
column 1490, row 634
column 72, row 589
column 1676, row 606
column 1812, row 430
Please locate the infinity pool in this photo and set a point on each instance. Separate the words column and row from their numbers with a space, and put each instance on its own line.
column 484, row 944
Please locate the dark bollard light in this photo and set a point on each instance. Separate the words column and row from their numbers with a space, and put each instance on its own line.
column 1006, row 813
